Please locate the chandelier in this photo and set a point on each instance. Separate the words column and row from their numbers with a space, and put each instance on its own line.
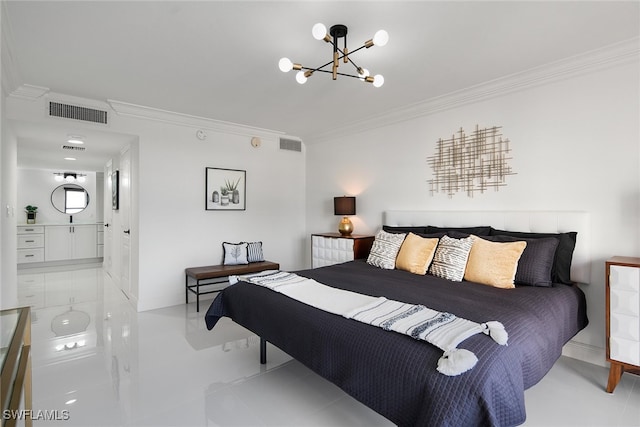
column 337, row 32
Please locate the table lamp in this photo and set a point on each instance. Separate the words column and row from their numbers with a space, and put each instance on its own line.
column 344, row 206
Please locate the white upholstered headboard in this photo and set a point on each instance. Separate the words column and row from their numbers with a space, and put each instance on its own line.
column 529, row 221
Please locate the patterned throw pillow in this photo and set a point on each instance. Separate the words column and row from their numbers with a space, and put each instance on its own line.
column 254, row 250
column 450, row 259
column 385, row 249
column 235, row 253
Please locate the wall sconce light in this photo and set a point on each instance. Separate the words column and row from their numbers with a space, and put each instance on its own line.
column 344, row 206
column 69, row 177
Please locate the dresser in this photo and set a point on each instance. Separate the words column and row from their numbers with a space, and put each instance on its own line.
column 334, row 248
column 30, row 243
column 622, row 317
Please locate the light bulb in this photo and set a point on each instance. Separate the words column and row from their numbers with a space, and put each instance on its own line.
column 319, row 31
column 378, row 80
column 75, row 140
column 364, row 74
column 301, row 78
column 69, row 178
column 82, row 178
column 285, row 65
column 381, row 38
column 58, row 178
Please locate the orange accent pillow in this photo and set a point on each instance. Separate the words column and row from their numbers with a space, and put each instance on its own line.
column 493, row 263
column 416, row 253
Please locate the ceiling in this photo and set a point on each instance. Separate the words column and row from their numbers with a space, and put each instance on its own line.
column 219, row 59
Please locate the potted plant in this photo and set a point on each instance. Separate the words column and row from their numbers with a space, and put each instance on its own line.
column 224, row 196
column 31, row 214
column 232, row 189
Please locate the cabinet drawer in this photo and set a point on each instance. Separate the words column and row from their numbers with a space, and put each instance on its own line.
column 26, row 241
column 626, row 351
column 30, row 255
column 626, row 327
column 33, row 229
column 623, row 278
column 328, row 251
column 624, row 302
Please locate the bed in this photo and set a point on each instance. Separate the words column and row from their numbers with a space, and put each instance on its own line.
column 396, row 375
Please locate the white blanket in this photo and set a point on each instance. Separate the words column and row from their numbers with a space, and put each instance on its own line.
column 443, row 330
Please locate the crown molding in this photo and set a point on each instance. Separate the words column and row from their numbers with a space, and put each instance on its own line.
column 170, row 117
column 29, row 92
column 616, row 54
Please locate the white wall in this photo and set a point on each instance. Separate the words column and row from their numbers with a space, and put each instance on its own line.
column 175, row 230
column 35, row 187
column 170, row 229
column 576, row 146
column 8, row 258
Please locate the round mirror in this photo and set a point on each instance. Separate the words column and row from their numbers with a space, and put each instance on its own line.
column 70, row 198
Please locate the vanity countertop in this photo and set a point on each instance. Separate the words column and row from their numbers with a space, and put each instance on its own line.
column 22, row 224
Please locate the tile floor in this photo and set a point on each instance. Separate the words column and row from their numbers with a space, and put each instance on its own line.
column 106, row 365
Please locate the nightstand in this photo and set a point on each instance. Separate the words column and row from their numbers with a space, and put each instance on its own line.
column 334, row 248
column 623, row 317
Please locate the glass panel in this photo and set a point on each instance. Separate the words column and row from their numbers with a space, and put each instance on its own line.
column 8, row 324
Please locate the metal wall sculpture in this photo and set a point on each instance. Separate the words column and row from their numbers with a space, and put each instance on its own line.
column 470, row 163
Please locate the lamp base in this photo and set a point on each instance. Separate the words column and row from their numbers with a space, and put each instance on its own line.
column 345, row 227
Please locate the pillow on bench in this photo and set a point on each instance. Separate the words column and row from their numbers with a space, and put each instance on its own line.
column 235, row 253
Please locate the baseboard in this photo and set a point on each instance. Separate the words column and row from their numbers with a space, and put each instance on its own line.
column 585, row 352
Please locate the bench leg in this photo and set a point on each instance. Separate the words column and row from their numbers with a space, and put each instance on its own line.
column 198, row 296
column 263, row 351
column 186, row 289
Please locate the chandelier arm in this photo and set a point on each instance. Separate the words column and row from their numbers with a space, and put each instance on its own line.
column 340, row 74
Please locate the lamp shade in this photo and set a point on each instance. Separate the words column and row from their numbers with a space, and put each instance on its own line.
column 344, row 205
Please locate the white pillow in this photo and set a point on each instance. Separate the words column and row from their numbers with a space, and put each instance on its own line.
column 385, row 249
column 235, row 253
column 451, row 257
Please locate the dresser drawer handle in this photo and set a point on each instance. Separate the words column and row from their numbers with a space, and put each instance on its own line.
column 27, row 256
column 29, row 241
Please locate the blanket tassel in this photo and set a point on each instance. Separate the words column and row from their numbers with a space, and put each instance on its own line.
column 456, row 361
column 496, row 331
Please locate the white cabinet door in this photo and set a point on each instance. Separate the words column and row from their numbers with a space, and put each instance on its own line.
column 64, row 242
column 83, row 241
column 57, row 242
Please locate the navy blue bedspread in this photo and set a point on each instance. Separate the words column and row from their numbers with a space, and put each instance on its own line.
column 396, row 375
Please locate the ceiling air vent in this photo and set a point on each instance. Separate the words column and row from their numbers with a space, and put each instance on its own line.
column 67, row 111
column 73, row 148
column 290, row 144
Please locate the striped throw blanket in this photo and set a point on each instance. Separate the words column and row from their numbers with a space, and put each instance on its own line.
column 444, row 330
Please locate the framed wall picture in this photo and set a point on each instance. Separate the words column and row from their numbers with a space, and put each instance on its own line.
column 225, row 189
column 115, row 199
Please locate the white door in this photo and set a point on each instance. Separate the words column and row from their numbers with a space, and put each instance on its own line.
column 125, row 223
column 108, row 220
